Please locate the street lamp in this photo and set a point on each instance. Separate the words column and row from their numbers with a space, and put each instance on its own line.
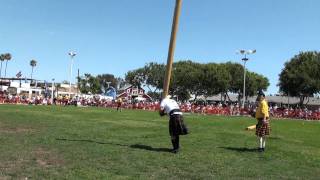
column 52, row 87
column 71, row 54
column 108, row 84
column 245, row 59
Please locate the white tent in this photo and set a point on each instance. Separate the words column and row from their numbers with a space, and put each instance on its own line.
column 139, row 99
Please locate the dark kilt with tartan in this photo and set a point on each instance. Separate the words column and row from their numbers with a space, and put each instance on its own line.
column 263, row 129
column 177, row 126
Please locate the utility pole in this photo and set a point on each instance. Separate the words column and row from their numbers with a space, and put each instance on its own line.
column 78, row 82
column 171, row 47
column 245, row 59
column 72, row 55
column 52, row 89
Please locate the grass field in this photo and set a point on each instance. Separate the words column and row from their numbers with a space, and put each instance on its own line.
column 43, row 142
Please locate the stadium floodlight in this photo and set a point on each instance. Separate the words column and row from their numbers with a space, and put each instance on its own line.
column 242, row 51
column 72, row 54
column 245, row 59
column 108, row 83
column 52, row 87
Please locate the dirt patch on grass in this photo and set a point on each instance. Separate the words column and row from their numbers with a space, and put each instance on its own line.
column 16, row 130
column 5, row 129
column 39, row 158
column 5, row 177
column 46, row 158
column 11, row 167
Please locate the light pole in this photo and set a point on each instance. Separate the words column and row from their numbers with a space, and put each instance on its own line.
column 71, row 54
column 245, row 59
column 108, row 84
column 52, row 87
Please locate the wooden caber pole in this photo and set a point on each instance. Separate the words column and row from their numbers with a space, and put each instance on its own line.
column 171, row 47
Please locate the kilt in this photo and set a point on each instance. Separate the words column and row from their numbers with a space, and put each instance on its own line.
column 177, row 126
column 263, row 129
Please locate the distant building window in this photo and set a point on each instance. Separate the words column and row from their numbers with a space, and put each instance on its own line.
column 135, row 92
column 128, row 90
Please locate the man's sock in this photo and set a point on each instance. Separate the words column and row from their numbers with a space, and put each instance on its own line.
column 173, row 143
column 177, row 142
column 263, row 142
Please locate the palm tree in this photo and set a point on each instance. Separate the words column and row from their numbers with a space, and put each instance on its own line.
column 7, row 58
column 33, row 63
column 2, row 58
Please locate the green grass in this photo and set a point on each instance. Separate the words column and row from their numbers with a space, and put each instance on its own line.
column 41, row 142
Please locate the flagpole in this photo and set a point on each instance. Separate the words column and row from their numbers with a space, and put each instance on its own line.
column 172, row 45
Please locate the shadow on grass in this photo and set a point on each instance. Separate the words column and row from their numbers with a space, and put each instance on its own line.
column 149, row 148
column 90, row 141
column 240, row 149
column 275, row 138
column 135, row 146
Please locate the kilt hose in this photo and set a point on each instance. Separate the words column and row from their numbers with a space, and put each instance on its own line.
column 177, row 126
column 263, row 129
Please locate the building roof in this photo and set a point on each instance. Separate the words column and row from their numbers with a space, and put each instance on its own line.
column 125, row 87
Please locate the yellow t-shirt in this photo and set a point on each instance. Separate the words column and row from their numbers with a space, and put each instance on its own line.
column 262, row 109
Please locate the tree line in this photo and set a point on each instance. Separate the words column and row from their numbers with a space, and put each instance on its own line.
column 90, row 84
column 188, row 78
column 300, row 76
column 192, row 78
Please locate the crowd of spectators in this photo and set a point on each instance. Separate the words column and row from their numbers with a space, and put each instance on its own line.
column 209, row 109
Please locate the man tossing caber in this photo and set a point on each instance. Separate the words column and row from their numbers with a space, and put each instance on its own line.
column 176, row 125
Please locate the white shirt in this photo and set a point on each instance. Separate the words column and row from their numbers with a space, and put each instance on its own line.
column 168, row 105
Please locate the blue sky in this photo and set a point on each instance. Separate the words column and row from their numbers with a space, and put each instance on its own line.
column 114, row 36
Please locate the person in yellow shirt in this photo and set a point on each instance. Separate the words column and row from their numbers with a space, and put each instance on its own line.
column 60, row 98
column 263, row 126
column 119, row 104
